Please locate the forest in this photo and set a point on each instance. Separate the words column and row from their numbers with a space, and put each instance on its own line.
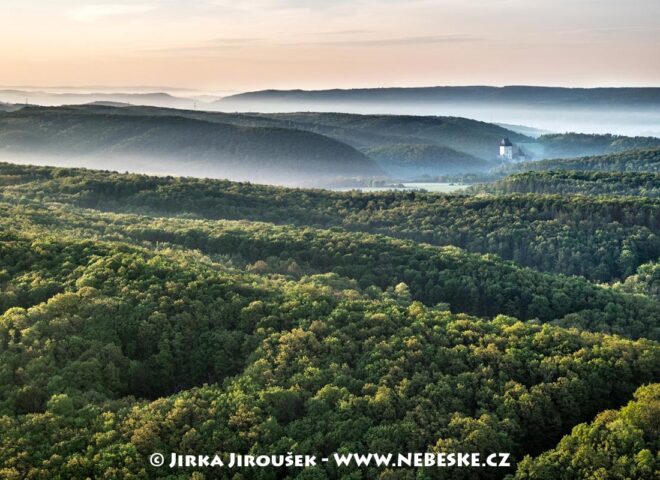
column 173, row 143
column 602, row 237
column 637, row 159
column 580, row 144
column 304, row 149
column 144, row 314
column 418, row 160
column 577, row 182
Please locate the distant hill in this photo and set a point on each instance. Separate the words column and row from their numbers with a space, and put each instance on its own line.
column 626, row 111
column 529, row 131
column 417, row 160
column 45, row 98
column 280, row 148
column 526, row 95
column 578, row 144
column 178, row 145
column 8, row 107
column 634, row 160
column 476, row 138
column 102, row 103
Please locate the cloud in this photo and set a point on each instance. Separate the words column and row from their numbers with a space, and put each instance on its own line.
column 212, row 46
column 611, row 30
column 220, row 45
column 386, row 42
column 91, row 13
column 345, row 32
column 232, row 41
column 285, row 4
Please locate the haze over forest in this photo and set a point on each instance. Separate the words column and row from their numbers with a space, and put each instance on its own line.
column 299, row 149
column 625, row 111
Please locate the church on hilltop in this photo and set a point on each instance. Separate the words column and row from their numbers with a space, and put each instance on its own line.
column 511, row 153
column 506, row 149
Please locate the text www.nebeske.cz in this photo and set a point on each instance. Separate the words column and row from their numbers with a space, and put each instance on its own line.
column 400, row 460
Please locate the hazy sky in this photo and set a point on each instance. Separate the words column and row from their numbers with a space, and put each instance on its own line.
column 246, row 45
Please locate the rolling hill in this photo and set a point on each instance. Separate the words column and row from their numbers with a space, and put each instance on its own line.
column 619, row 442
column 418, row 160
column 575, row 145
column 178, row 145
column 278, row 148
column 603, row 239
column 633, row 160
column 363, row 132
column 522, row 95
column 8, row 107
column 73, row 97
column 626, row 111
column 136, row 318
column 576, row 182
column 476, row 138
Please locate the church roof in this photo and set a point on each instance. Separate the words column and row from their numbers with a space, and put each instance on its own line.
column 506, row 143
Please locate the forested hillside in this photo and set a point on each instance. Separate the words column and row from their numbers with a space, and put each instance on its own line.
column 617, row 444
column 145, row 324
column 580, row 144
column 602, row 238
column 645, row 281
column 418, row 160
column 476, row 138
column 633, row 160
column 296, row 149
column 160, row 314
column 176, row 144
column 480, row 285
column 480, row 139
column 576, row 182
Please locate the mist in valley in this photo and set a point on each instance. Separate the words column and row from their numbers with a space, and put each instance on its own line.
column 371, row 138
column 617, row 116
column 545, row 119
column 178, row 166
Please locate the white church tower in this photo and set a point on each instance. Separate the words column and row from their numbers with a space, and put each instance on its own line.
column 506, row 149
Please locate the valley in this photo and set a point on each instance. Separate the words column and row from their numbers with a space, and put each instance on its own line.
column 367, row 311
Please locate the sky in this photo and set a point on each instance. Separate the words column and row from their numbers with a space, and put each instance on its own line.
column 243, row 45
